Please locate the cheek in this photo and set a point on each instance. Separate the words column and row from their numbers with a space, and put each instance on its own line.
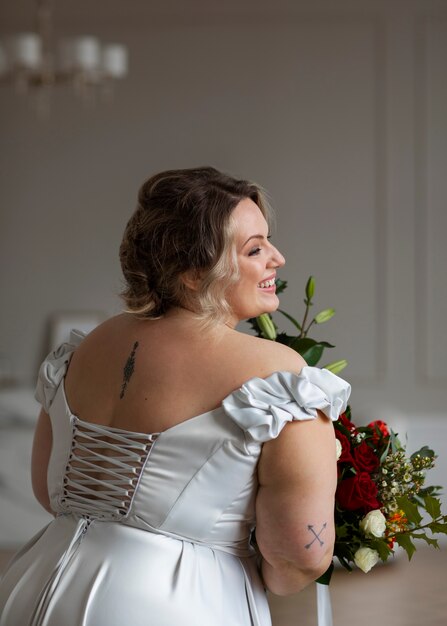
column 252, row 272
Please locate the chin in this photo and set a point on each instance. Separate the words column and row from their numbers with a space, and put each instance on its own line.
column 271, row 304
column 265, row 307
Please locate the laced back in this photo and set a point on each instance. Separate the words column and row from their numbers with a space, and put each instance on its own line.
column 103, row 470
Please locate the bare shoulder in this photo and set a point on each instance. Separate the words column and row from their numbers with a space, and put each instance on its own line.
column 104, row 335
column 267, row 356
column 99, row 349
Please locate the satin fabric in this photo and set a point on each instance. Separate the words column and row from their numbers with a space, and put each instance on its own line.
column 179, row 552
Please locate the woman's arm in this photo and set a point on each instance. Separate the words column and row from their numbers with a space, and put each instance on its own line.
column 43, row 440
column 295, row 505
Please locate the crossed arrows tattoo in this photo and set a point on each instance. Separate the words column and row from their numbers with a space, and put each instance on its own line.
column 316, row 535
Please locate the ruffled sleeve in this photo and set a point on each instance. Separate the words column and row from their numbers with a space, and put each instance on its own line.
column 263, row 406
column 54, row 368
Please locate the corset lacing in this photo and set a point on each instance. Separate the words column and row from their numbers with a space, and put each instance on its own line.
column 103, row 470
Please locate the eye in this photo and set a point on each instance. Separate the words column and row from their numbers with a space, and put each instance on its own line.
column 254, row 251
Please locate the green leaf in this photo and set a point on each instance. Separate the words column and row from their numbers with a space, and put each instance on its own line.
column 428, row 540
column 405, row 542
column 432, row 490
column 339, row 426
column 324, row 316
column 432, row 506
column 280, row 285
column 411, row 510
column 310, row 287
column 424, row 452
column 382, row 548
column 308, row 348
column 336, row 366
column 290, row 318
column 342, row 531
column 385, row 452
column 439, row 528
column 395, row 443
column 284, row 338
column 313, row 355
column 302, row 344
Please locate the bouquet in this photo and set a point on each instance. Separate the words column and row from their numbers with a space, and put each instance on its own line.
column 381, row 500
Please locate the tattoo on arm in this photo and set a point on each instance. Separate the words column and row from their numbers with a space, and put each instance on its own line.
column 128, row 370
column 316, row 536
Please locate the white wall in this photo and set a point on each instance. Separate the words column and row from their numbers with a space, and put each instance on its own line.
column 337, row 108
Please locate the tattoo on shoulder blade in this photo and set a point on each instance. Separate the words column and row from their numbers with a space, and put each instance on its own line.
column 128, row 370
column 316, row 535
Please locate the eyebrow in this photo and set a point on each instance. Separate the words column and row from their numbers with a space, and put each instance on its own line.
column 253, row 237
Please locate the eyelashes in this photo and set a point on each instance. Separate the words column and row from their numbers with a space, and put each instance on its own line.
column 254, row 251
column 257, row 250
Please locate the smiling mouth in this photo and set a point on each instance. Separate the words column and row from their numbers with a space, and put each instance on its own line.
column 267, row 283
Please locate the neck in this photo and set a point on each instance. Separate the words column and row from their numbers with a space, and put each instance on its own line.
column 181, row 313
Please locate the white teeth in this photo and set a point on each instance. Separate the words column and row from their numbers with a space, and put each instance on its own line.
column 267, row 283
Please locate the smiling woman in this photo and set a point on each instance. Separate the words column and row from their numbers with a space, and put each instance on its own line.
column 178, row 247
column 257, row 259
column 166, row 436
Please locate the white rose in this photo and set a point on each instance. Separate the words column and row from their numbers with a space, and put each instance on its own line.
column 338, row 449
column 374, row 523
column 365, row 559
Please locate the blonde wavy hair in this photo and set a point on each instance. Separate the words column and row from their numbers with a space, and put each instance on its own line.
column 183, row 223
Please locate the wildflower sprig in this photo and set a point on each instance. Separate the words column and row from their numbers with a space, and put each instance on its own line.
column 399, row 476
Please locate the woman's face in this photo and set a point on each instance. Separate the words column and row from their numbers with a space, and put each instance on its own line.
column 258, row 259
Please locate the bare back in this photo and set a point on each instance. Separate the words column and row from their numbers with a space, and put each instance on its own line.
column 147, row 376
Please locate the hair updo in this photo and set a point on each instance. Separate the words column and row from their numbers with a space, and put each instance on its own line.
column 183, row 223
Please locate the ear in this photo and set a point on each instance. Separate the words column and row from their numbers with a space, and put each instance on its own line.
column 192, row 279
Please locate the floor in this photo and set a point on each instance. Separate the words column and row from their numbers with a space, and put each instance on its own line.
column 395, row 594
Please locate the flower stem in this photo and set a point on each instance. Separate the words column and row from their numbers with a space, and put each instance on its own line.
column 305, row 330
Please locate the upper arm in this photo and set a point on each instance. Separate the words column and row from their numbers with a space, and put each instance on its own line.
column 42, row 444
column 295, row 502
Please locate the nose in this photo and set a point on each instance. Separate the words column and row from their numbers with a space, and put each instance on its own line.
column 277, row 258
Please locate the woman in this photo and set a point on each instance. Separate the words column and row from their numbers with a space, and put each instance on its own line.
column 166, row 435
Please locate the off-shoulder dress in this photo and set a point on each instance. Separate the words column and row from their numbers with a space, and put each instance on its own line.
column 153, row 529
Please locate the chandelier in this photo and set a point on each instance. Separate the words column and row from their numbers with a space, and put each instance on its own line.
column 31, row 62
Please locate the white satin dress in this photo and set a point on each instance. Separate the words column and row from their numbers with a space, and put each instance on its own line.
column 154, row 529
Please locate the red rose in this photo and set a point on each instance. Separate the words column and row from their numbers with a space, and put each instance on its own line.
column 365, row 459
column 345, row 456
column 382, row 427
column 344, row 421
column 358, row 492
